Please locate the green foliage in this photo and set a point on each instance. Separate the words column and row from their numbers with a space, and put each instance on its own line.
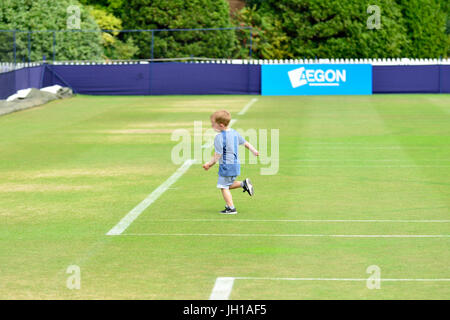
column 176, row 14
column 337, row 29
column 426, row 23
column 121, row 50
column 97, row 3
column 112, row 6
column 106, row 21
column 114, row 48
column 47, row 15
column 253, row 3
column 281, row 29
column 268, row 40
column 446, row 8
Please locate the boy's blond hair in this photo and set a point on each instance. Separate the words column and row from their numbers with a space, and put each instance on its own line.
column 221, row 117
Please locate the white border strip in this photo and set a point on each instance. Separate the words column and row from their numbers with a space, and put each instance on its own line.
column 136, row 212
column 367, row 160
column 288, row 235
column 224, row 285
column 222, row 288
column 362, row 166
column 287, row 220
column 341, row 279
column 247, row 106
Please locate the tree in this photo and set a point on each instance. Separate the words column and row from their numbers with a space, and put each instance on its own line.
column 44, row 15
column 268, row 39
column 337, row 29
column 180, row 14
column 426, row 22
column 112, row 6
column 114, row 48
column 446, row 7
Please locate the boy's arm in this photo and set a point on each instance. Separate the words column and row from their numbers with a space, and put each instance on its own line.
column 213, row 161
column 251, row 148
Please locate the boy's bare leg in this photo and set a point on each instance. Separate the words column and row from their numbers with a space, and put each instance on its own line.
column 227, row 197
column 236, row 184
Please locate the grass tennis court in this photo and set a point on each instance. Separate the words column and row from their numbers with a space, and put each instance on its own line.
column 361, row 180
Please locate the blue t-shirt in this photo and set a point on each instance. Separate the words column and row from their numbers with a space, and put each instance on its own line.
column 226, row 143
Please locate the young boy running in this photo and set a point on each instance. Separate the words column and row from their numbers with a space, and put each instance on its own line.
column 226, row 149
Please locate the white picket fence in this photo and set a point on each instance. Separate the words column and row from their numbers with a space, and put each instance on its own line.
column 376, row 62
column 6, row 67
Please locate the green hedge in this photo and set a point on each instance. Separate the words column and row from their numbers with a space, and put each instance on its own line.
column 339, row 29
column 47, row 15
column 180, row 14
column 282, row 29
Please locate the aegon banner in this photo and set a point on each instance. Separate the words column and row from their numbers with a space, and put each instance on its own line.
column 316, row 79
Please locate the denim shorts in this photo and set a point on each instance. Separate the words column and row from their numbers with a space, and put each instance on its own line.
column 225, row 182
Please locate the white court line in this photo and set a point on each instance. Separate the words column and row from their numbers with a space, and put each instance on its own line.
column 247, row 106
column 224, row 285
column 222, row 288
column 136, row 212
column 288, row 235
column 296, row 220
column 340, row 279
column 377, row 145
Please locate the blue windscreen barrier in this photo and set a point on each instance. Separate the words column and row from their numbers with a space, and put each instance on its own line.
column 175, row 78
column 11, row 82
column 444, row 76
column 411, row 79
column 316, row 79
column 139, row 79
column 7, row 84
column 101, row 79
column 158, row 79
column 185, row 79
column 29, row 77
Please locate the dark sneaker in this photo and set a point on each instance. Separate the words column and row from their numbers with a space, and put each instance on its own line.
column 228, row 211
column 248, row 187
